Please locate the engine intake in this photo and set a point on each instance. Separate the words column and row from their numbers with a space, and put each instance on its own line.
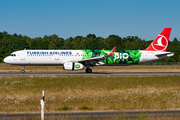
column 73, row 66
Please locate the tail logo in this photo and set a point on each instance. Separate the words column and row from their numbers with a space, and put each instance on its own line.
column 160, row 43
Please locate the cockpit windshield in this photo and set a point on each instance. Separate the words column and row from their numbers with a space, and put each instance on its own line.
column 12, row 55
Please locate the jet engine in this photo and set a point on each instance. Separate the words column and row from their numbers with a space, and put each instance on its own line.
column 73, row 66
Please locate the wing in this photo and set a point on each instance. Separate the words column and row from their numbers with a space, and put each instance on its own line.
column 94, row 60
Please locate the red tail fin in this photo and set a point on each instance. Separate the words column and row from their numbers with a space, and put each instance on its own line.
column 161, row 42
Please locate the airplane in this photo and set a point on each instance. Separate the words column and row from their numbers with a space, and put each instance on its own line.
column 79, row 59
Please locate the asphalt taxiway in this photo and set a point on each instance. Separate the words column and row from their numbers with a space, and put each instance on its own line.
column 94, row 115
column 99, row 73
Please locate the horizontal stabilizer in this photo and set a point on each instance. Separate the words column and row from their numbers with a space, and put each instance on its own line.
column 164, row 53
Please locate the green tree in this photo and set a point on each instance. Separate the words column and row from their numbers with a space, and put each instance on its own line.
column 115, row 40
column 68, row 43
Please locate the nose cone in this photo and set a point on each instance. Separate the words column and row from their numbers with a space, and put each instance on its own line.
column 6, row 60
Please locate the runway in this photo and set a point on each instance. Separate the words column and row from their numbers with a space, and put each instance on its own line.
column 94, row 115
column 99, row 73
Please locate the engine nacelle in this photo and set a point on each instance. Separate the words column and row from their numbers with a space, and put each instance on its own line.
column 73, row 66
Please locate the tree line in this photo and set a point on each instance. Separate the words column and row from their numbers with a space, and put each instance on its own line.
column 10, row 43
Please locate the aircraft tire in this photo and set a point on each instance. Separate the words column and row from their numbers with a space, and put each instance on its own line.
column 23, row 71
column 88, row 70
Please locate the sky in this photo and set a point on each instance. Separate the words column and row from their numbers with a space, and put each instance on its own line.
column 71, row 18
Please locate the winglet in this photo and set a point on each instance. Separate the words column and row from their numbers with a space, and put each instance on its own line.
column 103, row 49
column 112, row 51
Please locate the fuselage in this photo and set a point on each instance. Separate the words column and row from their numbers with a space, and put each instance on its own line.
column 59, row 57
column 78, row 59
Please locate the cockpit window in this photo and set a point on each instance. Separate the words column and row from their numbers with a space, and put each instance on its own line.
column 12, row 55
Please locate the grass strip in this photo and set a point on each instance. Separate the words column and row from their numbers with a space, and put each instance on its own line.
column 77, row 93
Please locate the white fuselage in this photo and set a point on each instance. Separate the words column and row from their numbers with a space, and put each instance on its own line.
column 149, row 56
column 59, row 57
column 22, row 57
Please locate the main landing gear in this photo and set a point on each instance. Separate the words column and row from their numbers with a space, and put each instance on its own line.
column 23, row 69
column 88, row 70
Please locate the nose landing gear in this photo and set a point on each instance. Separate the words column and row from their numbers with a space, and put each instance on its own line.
column 23, row 69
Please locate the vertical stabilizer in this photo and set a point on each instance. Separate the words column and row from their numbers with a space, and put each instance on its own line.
column 161, row 41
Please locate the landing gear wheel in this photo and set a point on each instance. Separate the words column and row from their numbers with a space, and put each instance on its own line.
column 23, row 71
column 88, row 70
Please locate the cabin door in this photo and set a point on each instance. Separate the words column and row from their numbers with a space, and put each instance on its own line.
column 56, row 57
column 145, row 56
column 22, row 55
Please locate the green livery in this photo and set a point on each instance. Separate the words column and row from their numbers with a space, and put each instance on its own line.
column 119, row 56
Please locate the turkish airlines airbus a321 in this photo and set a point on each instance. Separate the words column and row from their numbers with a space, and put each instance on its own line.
column 78, row 59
